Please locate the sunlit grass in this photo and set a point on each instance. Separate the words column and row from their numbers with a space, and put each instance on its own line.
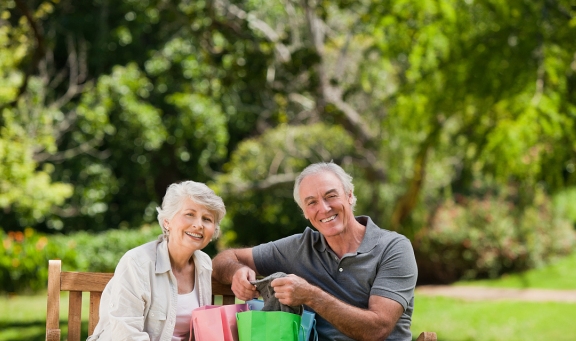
column 559, row 275
column 458, row 320
column 24, row 317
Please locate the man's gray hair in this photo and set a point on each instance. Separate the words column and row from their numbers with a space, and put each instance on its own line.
column 320, row 167
column 195, row 191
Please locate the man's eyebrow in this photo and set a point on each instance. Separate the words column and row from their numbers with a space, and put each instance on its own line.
column 330, row 191
column 333, row 190
column 308, row 198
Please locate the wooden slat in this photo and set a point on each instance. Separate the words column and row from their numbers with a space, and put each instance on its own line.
column 221, row 289
column 53, row 301
column 94, row 314
column 74, row 315
column 225, row 291
column 84, row 281
column 427, row 336
column 228, row 299
column 53, row 335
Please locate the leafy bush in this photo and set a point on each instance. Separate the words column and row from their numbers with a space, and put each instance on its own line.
column 24, row 255
column 486, row 237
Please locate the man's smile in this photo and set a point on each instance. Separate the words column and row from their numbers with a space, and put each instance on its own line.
column 328, row 219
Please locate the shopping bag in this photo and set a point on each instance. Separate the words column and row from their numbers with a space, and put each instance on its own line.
column 308, row 322
column 308, row 326
column 255, row 304
column 268, row 326
column 216, row 323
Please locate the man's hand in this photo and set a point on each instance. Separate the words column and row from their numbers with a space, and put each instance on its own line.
column 236, row 267
column 241, row 285
column 292, row 290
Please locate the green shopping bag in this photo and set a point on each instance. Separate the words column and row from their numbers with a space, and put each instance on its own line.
column 257, row 325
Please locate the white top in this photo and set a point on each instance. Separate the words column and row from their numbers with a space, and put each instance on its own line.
column 186, row 303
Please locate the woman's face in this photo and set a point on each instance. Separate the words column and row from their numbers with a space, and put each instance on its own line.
column 192, row 227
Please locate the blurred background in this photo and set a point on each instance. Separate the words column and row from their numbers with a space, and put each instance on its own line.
column 457, row 119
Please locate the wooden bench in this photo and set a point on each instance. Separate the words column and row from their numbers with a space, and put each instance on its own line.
column 94, row 282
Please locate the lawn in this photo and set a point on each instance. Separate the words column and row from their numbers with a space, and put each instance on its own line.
column 457, row 320
column 24, row 317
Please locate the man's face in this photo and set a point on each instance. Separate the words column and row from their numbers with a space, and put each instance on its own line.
column 325, row 204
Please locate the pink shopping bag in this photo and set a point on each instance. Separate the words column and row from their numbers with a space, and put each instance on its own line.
column 216, row 322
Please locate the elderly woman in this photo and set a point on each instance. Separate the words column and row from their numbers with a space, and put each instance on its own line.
column 157, row 285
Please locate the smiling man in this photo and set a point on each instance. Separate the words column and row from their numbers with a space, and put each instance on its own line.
column 357, row 278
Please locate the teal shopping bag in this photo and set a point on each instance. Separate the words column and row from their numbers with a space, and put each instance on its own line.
column 308, row 326
column 268, row 326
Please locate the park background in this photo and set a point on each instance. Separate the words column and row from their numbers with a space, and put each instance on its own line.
column 455, row 117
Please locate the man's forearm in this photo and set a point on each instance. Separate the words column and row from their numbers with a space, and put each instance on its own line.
column 357, row 323
column 224, row 265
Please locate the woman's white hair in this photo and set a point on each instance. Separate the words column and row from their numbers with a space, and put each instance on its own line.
column 321, row 167
column 195, row 191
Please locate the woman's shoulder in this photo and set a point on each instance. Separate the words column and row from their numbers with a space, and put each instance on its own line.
column 141, row 254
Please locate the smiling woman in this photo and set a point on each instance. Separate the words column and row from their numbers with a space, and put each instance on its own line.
column 157, row 285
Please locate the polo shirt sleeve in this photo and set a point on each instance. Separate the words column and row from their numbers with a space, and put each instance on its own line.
column 276, row 256
column 397, row 273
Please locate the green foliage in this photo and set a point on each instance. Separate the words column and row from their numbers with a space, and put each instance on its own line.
column 488, row 236
column 557, row 275
column 24, row 255
column 263, row 169
column 104, row 105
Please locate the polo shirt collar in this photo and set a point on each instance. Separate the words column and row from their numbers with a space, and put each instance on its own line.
column 369, row 242
column 371, row 236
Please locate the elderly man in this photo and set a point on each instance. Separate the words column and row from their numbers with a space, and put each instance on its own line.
column 357, row 278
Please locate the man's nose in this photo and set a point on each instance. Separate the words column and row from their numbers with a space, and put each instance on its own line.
column 326, row 206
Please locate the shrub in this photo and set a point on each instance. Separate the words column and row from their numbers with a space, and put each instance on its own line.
column 486, row 237
column 24, row 255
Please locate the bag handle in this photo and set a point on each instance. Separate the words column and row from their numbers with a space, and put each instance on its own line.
column 314, row 329
column 299, row 331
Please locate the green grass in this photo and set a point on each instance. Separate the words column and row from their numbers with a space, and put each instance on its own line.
column 24, row 317
column 559, row 275
column 457, row 320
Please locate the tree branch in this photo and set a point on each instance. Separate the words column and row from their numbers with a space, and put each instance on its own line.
column 38, row 53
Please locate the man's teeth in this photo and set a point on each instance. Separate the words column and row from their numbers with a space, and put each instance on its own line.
column 196, row 235
column 328, row 219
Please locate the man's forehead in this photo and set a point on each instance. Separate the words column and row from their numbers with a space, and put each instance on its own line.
column 320, row 183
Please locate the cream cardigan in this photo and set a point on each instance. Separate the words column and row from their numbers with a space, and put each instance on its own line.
column 140, row 301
